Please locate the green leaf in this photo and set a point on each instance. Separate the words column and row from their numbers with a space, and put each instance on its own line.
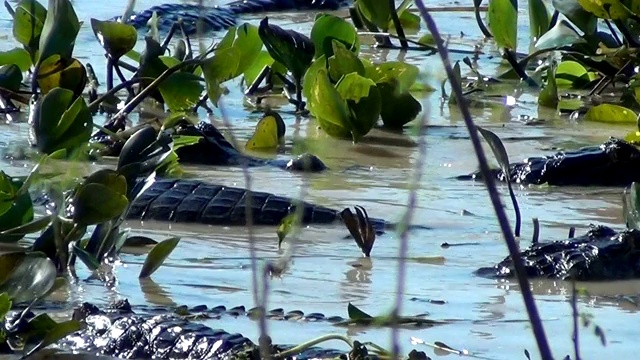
column 251, row 73
column 410, row 23
column 5, row 305
column 59, row 31
column 59, row 331
column 538, row 18
column 26, row 276
column 584, row 20
column 20, row 211
column 246, row 40
column 157, row 256
column 63, row 73
column 24, row 229
column 181, row 91
column 292, row 49
column 10, row 77
column 357, row 314
column 269, row 133
column 311, row 74
column 549, row 94
column 405, row 75
column 333, row 27
column 631, row 206
column 343, row 62
column 115, row 37
column 60, row 122
column 571, row 73
column 560, row 35
column 609, row 113
column 364, row 103
column 503, row 22
column 376, row 11
column 16, row 56
column 28, row 22
column 287, row 225
column 96, row 203
column 89, row 260
column 218, row 69
column 606, row 9
column 398, row 108
column 328, row 107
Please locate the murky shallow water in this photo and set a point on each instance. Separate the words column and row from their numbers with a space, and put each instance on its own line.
column 212, row 265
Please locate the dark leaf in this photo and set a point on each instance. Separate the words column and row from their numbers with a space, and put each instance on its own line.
column 157, row 256
column 115, row 37
column 357, row 314
column 59, row 31
column 294, row 50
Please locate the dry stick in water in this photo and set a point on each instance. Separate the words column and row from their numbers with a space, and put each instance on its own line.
column 529, row 302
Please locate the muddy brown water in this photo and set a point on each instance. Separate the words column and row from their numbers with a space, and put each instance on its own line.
column 212, row 264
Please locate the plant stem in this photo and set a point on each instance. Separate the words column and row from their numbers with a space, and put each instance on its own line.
column 532, row 311
column 397, row 24
column 305, row 345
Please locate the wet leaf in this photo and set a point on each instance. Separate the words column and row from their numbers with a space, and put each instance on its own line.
column 287, row 225
column 59, row 122
column 503, row 22
column 344, row 62
column 549, row 94
column 95, row 203
column 28, row 22
column 269, row 133
column 394, row 71
column 20, row 209
column 376, row 11
column 246, row 40
column 311, row 74
column 331, row 26
column 64, row 73
column 89, row 260
column 398, row 108
column 251, row 74
column 59, row 331
column 560, row 35
column 328, row 107
column 157, row 256
column 109, row 178
column 609, row 113
column 410, row 23
column 27, row 228
column 357, row 314
column 147, row 149
column 16, row 56
column 5, row 305
column 26, row 276
column 360, row 228
column 290, row 48
column 606, row 9
column 10, row 77
column 181, row 91
column 577, row 15
column 139, row 241
column 572, row 73
column 363, row 102
column 59, row 31
column 218, row 69
column 538, row 18
column 115, row 37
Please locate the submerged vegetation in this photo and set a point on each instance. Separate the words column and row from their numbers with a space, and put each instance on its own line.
column 579, row 69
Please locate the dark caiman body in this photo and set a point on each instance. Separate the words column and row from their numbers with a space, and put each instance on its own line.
column 119, row 332
column 614, row 163
column 600, row 254
column 214, row 18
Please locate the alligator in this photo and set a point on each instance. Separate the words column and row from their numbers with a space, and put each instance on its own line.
column 119, row 332
column 216, row 18
column 600, row 254
column 211, row 149
column 613, row 163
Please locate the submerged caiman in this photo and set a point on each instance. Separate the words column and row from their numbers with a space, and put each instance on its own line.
column 119, row 332
column 600, row 254
column 214, row 18
column 614, row 163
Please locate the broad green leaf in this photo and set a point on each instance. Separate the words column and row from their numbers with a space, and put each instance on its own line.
column 311, row 74
column 28, row 22
column 89, row 260
column 356, row 314
column 157, row 256
column 24, row 229
column 181, row 91
column 5, row 305
column 26, row 276
column 63, row 73
column 398, row 108
column 571, row 73
column 364, row 103
column 404, row 74
column 343, row 62
column 218, row 69
column 138, row 241
column 292, row 49
column 287, row 225
column 16, row 56
column 584, row 20
column 7, row 193
column 410, row 23
column 59, row 31
column 10, row 77
column 503, row 22
column 20, row 211
column 251, row 73
column 331, row 26
column 609, row 113
column 549, row 94
column 246, row 40
column 606, row 9
column 95, row 203
column 328, row 107
column 109, row 178
column 538, row 18
column 115, row 37
column 376, row 11
column 269, row 134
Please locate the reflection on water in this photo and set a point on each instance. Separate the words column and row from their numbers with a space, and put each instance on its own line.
column 211, row 265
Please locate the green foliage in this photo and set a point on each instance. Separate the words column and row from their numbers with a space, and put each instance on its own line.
column 28, row 22
column 16, row 57
column 330, row 27
column 16, row 209
column 269, row 133
column 290, row 48
column 538, row 18
column 25, row 276
column 503, row 22
column 59, row 31
column 549, row 95
column 610, row 113
column 10, row 77
column 157, row 256
column 102, row 197
column 116, row 38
